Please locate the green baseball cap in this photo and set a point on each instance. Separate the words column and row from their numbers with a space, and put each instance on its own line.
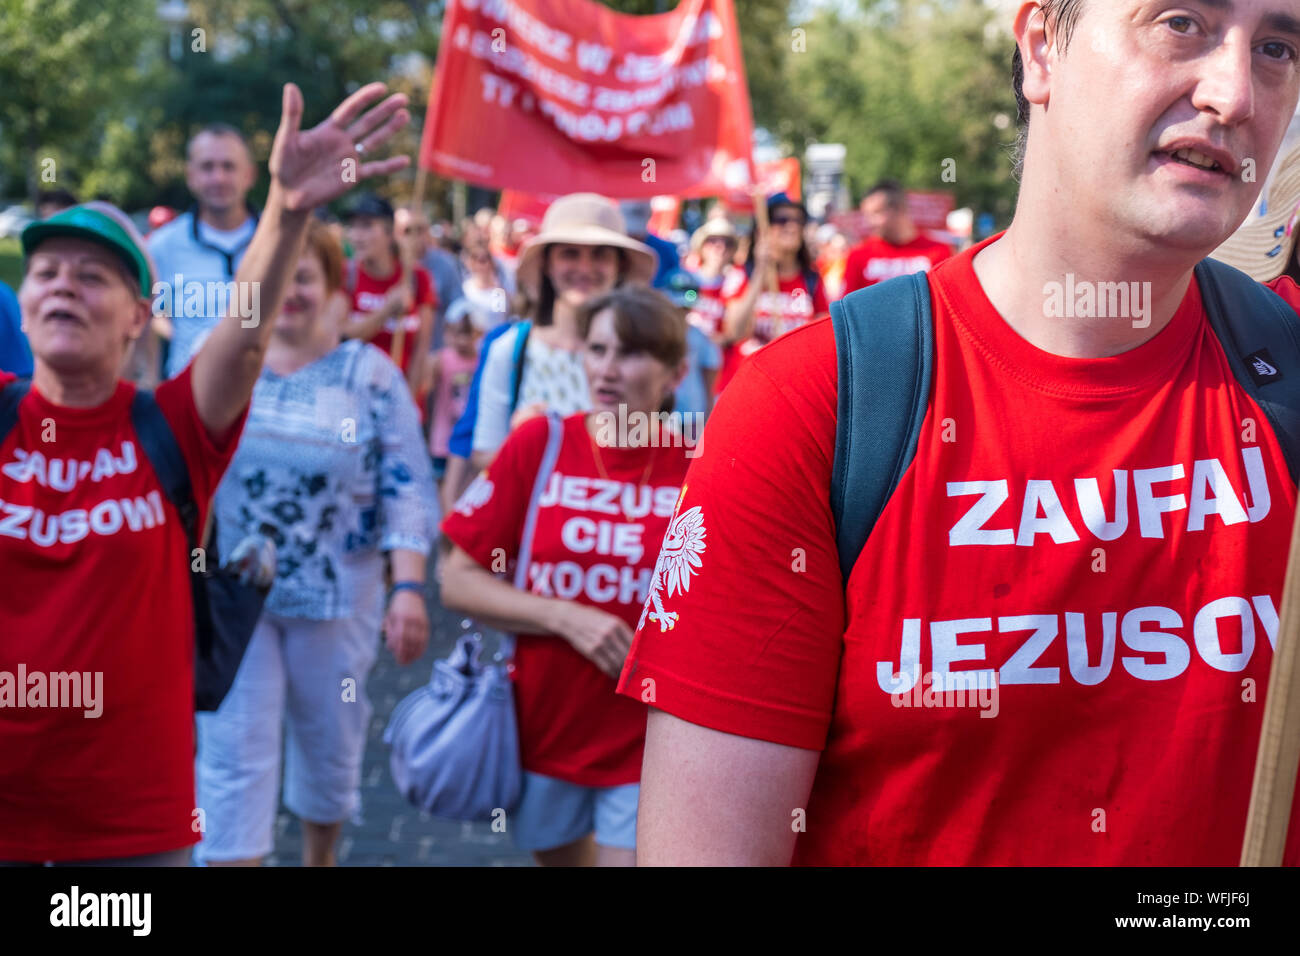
column 101, row 223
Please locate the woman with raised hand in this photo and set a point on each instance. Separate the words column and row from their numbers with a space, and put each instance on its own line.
column 780, row 290
column 598, row 527
column 332, row 468
column 94, row 556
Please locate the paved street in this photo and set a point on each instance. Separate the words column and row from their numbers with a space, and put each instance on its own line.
column 391, row 831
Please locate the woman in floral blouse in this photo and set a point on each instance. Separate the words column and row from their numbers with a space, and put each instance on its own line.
column 332, row 470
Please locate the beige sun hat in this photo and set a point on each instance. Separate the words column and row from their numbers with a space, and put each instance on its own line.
column 585, row 219
column 1262, row 245
column 714, row 227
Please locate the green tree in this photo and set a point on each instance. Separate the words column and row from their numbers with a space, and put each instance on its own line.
column 915, row 90
column 67, row 69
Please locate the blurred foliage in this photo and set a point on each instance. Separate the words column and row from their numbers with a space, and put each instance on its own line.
column 66, row 67
column 906, row 86
column 112, row 93
column 11, row 262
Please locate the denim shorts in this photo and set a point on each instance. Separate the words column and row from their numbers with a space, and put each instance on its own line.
column 552, row 813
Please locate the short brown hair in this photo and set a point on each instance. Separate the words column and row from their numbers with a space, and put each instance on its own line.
column 644, row 321
column 322, row 244
column 1060, row 16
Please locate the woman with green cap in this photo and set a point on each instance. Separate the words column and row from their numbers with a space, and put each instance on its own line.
column 96, row 627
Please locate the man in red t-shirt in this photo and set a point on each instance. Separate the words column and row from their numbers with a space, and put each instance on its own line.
column 895, row 246
column 1092, row 532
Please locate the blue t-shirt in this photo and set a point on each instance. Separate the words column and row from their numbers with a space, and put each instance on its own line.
column 692, row 396
column 15, row 355
column 461, row 442
column 667, row 253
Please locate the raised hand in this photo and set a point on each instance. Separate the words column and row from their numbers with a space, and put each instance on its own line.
column 307, row 166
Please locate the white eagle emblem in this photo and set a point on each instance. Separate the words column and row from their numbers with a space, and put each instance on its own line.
column 678, row 559
column 475, row 496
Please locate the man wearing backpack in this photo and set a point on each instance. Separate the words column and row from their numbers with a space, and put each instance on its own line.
column 1058, row 472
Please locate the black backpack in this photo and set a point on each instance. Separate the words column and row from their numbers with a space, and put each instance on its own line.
column 884, row 344
column 225, row 608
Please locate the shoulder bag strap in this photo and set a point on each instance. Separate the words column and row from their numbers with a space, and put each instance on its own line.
column 554, row 438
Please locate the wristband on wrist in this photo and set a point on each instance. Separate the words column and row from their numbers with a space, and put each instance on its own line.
column 416, row 586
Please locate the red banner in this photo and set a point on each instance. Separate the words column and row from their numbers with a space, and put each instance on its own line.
column 774, row 176
column 930, row 209
column 519, row 205
column 626, row 106
column 665, row 210
column 781, row 176
column 852, row 225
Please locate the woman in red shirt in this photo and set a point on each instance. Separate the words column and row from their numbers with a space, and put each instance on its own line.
column 782, row 292
column 384, row 294
column 93, row 555
column 714, row 247
column 599, row 524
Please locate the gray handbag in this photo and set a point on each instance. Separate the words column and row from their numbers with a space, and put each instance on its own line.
column 455, row 742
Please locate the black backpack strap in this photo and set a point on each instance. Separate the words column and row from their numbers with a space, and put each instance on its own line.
column 158, row 443
column 160, row 447
column 884, row 345
column 11, row 396
column 1260, row 334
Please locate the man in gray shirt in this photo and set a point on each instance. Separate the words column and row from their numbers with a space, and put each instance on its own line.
column 413, row 228
column 197, row 253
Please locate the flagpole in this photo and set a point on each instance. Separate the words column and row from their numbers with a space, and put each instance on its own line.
column 405, row 247
column 760, row 230
column 1278, row 757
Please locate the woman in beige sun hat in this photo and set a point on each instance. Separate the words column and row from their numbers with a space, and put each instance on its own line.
column 1264, row 245
column 583, row 251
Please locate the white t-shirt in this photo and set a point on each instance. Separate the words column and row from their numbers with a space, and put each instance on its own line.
column 494, row 302
column 227, row 240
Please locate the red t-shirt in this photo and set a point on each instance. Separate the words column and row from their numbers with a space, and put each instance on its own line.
column 369, row 295
column 1131, row 635
column 875, row 260
column 95, row 568
column 775, row 314
column 710, row 310
column 595, row 542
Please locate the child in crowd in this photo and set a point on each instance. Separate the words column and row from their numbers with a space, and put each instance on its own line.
column 451, row 369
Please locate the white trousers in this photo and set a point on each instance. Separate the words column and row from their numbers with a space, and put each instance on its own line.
column 310, row 677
